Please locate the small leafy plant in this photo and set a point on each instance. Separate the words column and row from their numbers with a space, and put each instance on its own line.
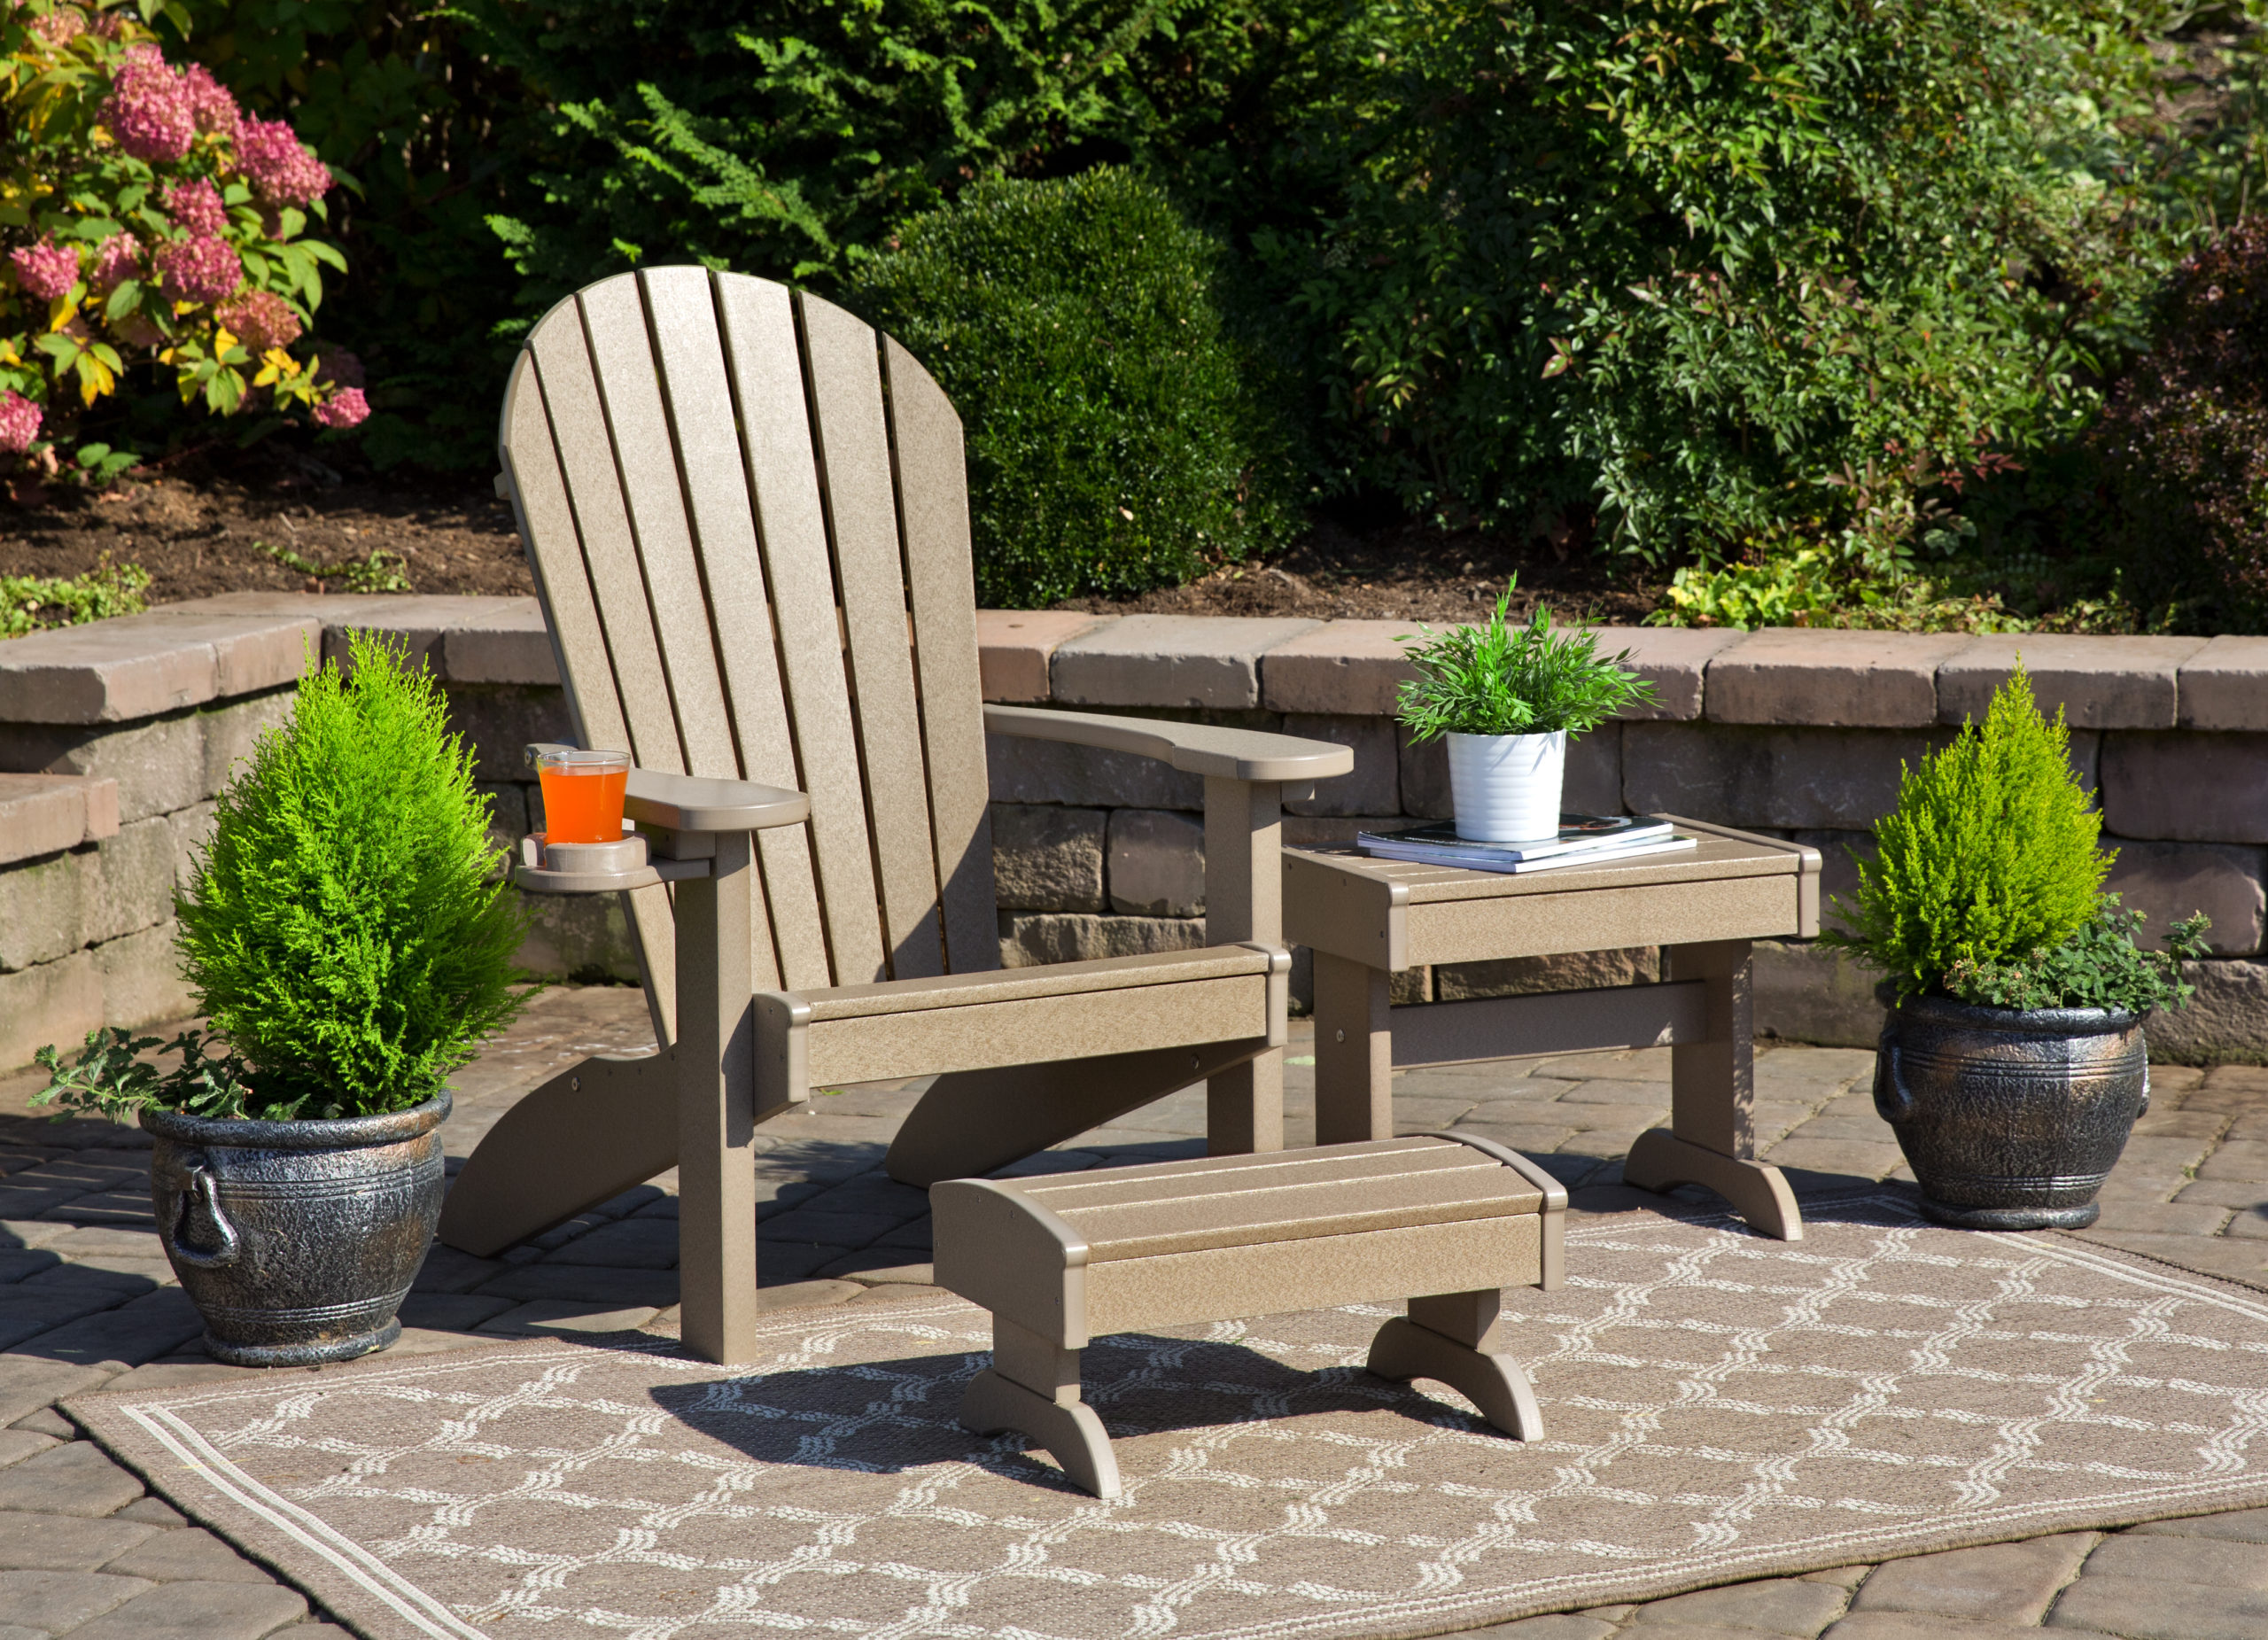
column 1987, row 884
column 30, row 602
column 1498, row 678
column 348, row 929
column 2099, row 967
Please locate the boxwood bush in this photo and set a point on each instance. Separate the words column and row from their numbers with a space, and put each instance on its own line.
column 1118, row 436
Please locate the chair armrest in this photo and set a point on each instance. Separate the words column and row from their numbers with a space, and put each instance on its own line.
column 1193, row 748
column 690, row 803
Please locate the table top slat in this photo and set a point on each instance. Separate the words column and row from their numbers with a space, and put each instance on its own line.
column 1715, row 859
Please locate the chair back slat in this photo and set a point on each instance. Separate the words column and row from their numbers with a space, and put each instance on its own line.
column 753, row 552
column 853, row 446
column 932, row 487
column 690, row 349
column 767, row 369
column 580, row 433
column 547, row 522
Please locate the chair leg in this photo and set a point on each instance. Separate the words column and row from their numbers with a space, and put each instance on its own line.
column 1244, row 1106
column 593, row 1132
column 716, row 1107
column 1032, row 1386
column 971, row 1122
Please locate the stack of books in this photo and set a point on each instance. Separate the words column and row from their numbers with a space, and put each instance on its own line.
column 1583, row 840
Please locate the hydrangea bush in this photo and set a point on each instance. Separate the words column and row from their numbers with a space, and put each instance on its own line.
column 148, row 223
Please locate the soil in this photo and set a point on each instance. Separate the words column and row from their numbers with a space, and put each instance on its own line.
column 205, row 530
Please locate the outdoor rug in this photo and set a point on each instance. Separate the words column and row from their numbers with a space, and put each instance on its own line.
column 1718, row 1406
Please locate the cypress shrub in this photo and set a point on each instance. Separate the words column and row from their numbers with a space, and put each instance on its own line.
column 346, row 929
column 1989, row 858
column 1118, row 436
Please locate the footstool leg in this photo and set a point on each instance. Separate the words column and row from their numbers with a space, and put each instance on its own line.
column 1032, row 1386
column 1451, row 1338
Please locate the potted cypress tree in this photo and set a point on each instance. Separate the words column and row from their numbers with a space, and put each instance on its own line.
column 349, row 934
column 2013, row 1065
column 1507, row 699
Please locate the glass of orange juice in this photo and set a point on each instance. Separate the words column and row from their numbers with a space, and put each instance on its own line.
column 582, row 795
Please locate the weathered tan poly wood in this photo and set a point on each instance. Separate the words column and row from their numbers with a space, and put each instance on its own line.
column 1558, row 1021
column 630, row 386
column 580, row 433
column 547, row 530
column 1056, row 979
column 1224, row 1181
column 766, row 367
column 688, row 351
column 1406, row 1347
column 1713, row 1070
column 1203, row 748
column 1661, row 1160
column 972, row 1122
column 1276, row 1277
column 933, row 516
column 591, row 1132
column 1072, row 1433
column 1244, row 900
column 1354, row 1051
column 1538, row 925
column 985, row 1036
column 853, row 445
column 717, row 1111
column 1301, row 1213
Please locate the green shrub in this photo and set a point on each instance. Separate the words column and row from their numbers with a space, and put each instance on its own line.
column 1747, row 270
column 1493, row 679
column 1989, row 857
column 1117, row 437
column 345, row 928
column 28, row 603
column 2185, row 441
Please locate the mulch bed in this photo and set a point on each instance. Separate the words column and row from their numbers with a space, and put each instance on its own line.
column 206, row 527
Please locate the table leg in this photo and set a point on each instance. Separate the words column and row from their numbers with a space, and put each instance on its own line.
column 1710, row 1140
column 1354, row 1053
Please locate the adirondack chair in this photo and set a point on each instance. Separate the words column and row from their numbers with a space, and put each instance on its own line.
column 747, row 520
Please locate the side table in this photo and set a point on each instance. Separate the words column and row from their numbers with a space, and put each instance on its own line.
column 1365, row 919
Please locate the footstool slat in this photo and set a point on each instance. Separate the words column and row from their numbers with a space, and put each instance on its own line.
column 1446, row 1221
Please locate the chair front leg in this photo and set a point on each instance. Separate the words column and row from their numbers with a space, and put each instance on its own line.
column 717, row 1076
column 1244, row 900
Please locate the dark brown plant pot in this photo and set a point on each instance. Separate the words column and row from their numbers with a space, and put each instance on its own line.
column 298, row 1240
column 2011, row 1119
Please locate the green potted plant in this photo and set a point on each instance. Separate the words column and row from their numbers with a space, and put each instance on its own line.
column 349, row 934
column 1507, row 698
column 2014, row 1065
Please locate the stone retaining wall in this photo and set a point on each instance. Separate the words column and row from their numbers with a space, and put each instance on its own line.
column 115, row 738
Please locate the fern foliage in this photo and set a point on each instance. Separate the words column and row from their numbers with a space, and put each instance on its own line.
column 1989, row 858
column 347, row 928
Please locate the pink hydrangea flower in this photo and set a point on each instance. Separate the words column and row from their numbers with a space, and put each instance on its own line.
column 281, row 169
column 118, row 259
column 46, row 270
column 260, row 320
column 148, row 111
column 202, row 270
column 346, row 408
column 20, row 420
column 59, row 28
column 196, row 207
column 211, row 106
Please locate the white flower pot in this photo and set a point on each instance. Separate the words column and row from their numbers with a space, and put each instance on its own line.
column 1506, row 787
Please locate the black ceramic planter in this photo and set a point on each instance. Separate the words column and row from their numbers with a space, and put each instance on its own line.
column 297, row 1240
column 2010, row 1119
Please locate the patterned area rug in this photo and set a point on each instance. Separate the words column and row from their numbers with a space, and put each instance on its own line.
column 1718, row 1406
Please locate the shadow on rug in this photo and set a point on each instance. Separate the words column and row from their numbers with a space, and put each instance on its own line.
column 1718, row 1406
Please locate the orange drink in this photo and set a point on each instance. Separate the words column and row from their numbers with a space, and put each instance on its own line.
column 582, row 795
